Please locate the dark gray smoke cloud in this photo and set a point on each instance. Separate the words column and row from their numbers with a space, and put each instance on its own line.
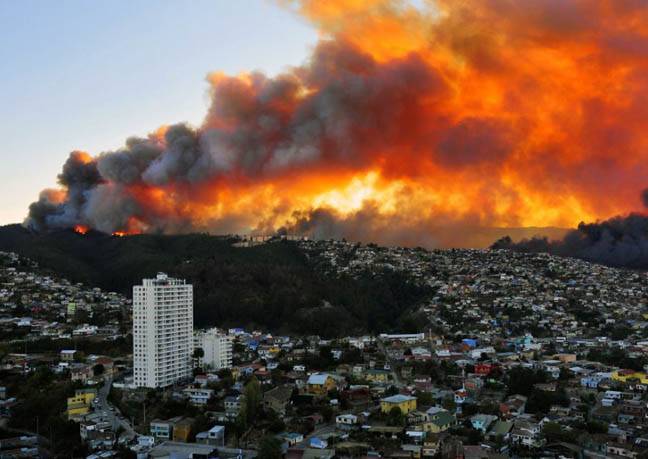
column 99, row 190
column 41, row 212
column 79, row 175
column 619, row 242
column 125, row 166
column 644, row 197
column 256, row 128
column 368, row 224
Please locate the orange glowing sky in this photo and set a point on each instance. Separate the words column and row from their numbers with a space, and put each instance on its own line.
column 406, row 119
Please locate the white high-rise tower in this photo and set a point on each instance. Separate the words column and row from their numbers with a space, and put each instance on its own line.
column 162, row 331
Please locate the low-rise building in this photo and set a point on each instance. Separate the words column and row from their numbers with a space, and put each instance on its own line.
column 198, row 396
column 405, row 403
column 482, row 422
column 320, row 383
column 161, row 430
column 81, row 403
column 346, row 421
column 182, row 429
column 278, row 399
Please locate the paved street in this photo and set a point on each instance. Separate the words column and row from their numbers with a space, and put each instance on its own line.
column 112, row 413
column 396, row 380
column 322, row 432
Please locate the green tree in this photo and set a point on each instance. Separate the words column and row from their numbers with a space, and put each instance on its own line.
column 275, row 423
column 521, row 380
column 553, row 432
column 252, row 403
column 597, row 427
column 391, row 390
column 474, row 437
column 327, row 412
column 449, row 404
column 325, row 357
column 425, row 398
column 270, row 448
column 198, row 353
column 201, row 423
column 240, row 424
column 395, row 417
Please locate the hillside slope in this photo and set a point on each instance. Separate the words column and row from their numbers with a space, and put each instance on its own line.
column 271, row 285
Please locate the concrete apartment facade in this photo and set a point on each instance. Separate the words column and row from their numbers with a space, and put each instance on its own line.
column 162, row 331
column 217, row 347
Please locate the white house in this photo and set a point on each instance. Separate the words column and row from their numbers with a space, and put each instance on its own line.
column 346, row 421
column 198, row 396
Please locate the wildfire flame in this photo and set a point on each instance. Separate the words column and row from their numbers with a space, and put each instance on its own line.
column 406, row 120
column 80, row 229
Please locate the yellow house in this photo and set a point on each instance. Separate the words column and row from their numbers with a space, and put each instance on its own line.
column 439, row 421
column 404, row 402
column 625, row 375
column 81, row 402
column 76, row 409
column 182, row 429
column 377, row 375
column 320, row 383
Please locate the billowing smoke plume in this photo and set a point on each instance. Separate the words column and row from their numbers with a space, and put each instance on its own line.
column 619, row 241
column 406, row 126
column 79, row 175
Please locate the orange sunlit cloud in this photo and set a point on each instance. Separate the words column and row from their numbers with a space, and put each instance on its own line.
column 458, row 115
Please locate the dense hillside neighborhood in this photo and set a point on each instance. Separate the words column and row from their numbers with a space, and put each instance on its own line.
column 497, row 354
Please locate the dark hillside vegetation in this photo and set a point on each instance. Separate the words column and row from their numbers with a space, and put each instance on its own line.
column 273, row 285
